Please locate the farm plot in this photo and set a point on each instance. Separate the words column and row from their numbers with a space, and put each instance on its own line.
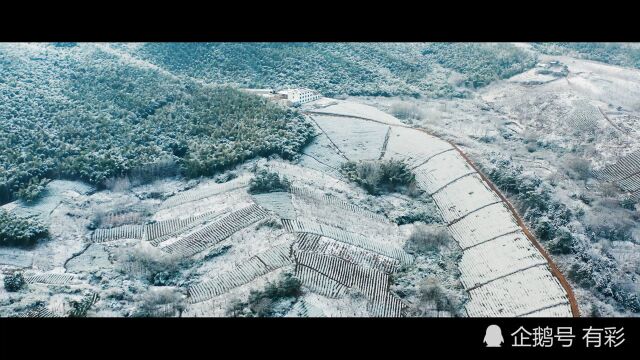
column 118, row 233
column 625, row 167
column 339, row 217
column 51, row 279
column 389, row 306
column 464, row 196
column 483, row 225
column 388, row 250
column 39, row 312
column 356, row 139
column 278, row 202
column 373, row 284
column 313, row 163
column 303, row 309
column 350, row 108
column 413, row 146
column 203, row 192
column 310, row 176
column 518, row 294
column 324, row 151
column 246, row 272
column 164, row 229
column 584, row 117
column 16, row 257
column 318, row 197
column 217, row 231
column 319, row 283
column 497, row 258
column 353, row 254
column 631, row 183
column 441, row 170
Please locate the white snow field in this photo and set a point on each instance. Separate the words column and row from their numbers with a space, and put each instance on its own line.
column 350, row 108
column 413, row 146
column 356, row 139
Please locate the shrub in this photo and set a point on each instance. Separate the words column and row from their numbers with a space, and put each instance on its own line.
column 432, row 293
column 160, row 302
column 380, row 176
column 152, row 264
column 414, row 215
column 425, row 239
column 563, row 242
column 32, row 190
column 17, row 231
column 265, row 182
column 14, row 282
column 581, row 274
column 578, row 168
column 270, row 301
column 406, row 111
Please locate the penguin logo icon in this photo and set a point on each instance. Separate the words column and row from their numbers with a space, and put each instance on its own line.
column 493, row 336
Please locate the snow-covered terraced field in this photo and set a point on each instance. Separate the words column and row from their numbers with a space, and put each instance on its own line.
column 206, row 191
column 244, row 273
column 482, row 226
column 464, row 196
column 441, row 170
column 217, row 231
column 278, row 202
column 505, row 274
column 625, row 167
column 324, row 151
column 373, row 284
column 497, row 258
column 302, row 309
column 164, row 229
column 523, row 293
column 51, row 278
column 374, row 245
column 313, row 163
column 631, row 183
column 585, row 117
column 39, row 312
column 319, row 283
column 356, row 139
column 349, row 108
column 322, row 245
column 413, row 146
column 118, row 233
column 307, row 194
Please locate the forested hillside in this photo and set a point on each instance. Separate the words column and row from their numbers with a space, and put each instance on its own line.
column 83, row 112
column 97, row 111
column 377, row 69
column 621, row 54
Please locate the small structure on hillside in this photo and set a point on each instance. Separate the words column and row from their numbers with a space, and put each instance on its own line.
column 300, row 96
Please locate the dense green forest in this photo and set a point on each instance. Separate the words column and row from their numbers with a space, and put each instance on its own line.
column 622, row 54
column 84, row 112
column 96, row 111
column 481, row 63
column 377, row 69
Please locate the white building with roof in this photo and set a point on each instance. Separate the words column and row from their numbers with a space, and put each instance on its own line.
column 300, row 96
